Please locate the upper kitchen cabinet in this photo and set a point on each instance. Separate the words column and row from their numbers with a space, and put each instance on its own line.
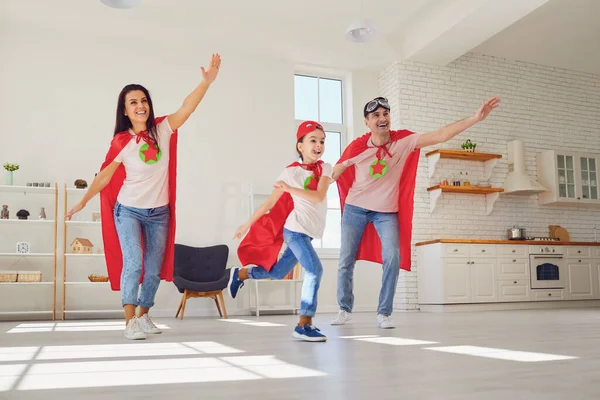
column 571, row 178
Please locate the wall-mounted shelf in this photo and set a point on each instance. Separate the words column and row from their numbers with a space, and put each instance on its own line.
column 491, row 194
column 489, row 160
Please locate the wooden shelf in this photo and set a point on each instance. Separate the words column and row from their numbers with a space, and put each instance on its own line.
column 84, row 255
column 463, row 155
column 465, row 189
column 489, row 160
column 491, row 194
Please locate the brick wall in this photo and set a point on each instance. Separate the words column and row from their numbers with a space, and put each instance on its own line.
column 546, row 107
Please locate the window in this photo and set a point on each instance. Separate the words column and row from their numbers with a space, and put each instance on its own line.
column 321, row 99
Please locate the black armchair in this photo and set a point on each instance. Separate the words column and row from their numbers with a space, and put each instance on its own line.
column 201, row 272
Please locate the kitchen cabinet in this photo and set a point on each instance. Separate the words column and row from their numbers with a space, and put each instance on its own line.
column 580, row 273
column 571, row 178
column 476, row 273
column 462, row 273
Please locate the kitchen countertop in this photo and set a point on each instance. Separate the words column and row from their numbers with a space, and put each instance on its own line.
column 534, row 242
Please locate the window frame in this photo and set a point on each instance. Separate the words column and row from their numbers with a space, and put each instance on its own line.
column 343, row 128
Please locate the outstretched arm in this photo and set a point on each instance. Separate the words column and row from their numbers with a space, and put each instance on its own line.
column 191, row 102
column 260, row 211
column 100, row 181
column 449, row 131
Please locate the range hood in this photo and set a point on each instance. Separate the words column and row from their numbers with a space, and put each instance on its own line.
column 517, row 181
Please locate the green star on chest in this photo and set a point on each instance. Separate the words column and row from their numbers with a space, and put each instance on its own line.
column 311, row 183
column 150, row 154
column 378, row 169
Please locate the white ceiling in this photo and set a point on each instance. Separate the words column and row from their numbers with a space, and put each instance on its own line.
column 559, row 33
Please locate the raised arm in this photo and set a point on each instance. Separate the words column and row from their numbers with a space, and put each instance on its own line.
column 100, row 181
column 449, row 131
column 193, row 99
column 260, row 211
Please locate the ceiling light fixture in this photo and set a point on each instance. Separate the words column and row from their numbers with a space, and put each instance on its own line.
column 362, row 31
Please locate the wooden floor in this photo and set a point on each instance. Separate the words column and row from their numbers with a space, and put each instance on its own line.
column 542, row 354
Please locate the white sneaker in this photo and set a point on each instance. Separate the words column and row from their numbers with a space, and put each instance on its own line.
column 147, row 325
column 342, row 317
column 133, row 331
column 385, row 322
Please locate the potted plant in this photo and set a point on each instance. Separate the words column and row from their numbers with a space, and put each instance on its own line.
column 468, row 146
column 10, row 168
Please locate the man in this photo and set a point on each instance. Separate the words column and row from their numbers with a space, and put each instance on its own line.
column 376, row 179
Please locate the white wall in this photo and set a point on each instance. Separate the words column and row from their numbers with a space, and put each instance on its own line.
column 58, row 92
column 546, row 107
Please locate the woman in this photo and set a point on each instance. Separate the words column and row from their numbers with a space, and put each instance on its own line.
column 137, row 194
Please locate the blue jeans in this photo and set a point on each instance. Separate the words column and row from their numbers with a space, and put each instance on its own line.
column 153, row 225
column 354, row 221
column 299, row 248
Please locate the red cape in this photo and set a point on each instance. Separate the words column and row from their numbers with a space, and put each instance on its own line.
column 370, row 245
column 264, row 240
column 108, row 198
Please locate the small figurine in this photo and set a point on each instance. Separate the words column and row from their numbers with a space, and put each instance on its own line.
column 4, row 212
column 42, row 213
column 80, row 184
column 23, row 214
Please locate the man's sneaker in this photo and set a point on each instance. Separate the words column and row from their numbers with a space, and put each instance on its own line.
column 234, row 282
column 147, row 325
column 385, row 322
column 342, row 317
column 309, row 333
column 133, row 331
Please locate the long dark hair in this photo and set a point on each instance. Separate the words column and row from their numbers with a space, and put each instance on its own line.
column 123, row 123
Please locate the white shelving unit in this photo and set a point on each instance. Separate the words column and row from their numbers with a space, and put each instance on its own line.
column 80, row 286
column 29, row 290
column 255, row 198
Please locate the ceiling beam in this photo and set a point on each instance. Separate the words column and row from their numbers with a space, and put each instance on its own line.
column 446, row 30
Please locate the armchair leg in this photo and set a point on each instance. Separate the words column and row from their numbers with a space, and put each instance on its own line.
column 180, row 305
column 185, row 297
column 223, row 303
column 218, row 307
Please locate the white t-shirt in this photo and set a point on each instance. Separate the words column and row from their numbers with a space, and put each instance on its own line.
column 146, row 182
column 306, row 217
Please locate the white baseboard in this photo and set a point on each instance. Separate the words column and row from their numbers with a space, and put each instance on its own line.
column 526, row 305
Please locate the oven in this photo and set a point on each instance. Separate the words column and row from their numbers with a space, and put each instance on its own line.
column 547, row 266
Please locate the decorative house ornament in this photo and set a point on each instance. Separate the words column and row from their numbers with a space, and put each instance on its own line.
column 23, row 214
column 81, row 246
column 80, row 184
column 4, row 212
column 23, row 247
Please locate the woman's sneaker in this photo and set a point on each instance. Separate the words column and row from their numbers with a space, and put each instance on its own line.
column 133, row 331
column 147, row 325
column 309, row 333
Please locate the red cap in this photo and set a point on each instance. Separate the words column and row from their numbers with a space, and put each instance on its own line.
column 307, row 127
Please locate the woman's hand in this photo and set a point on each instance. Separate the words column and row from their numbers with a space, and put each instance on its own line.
column 211, row 73
column 241, row 230
column 282, row 185
column 78, row 207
